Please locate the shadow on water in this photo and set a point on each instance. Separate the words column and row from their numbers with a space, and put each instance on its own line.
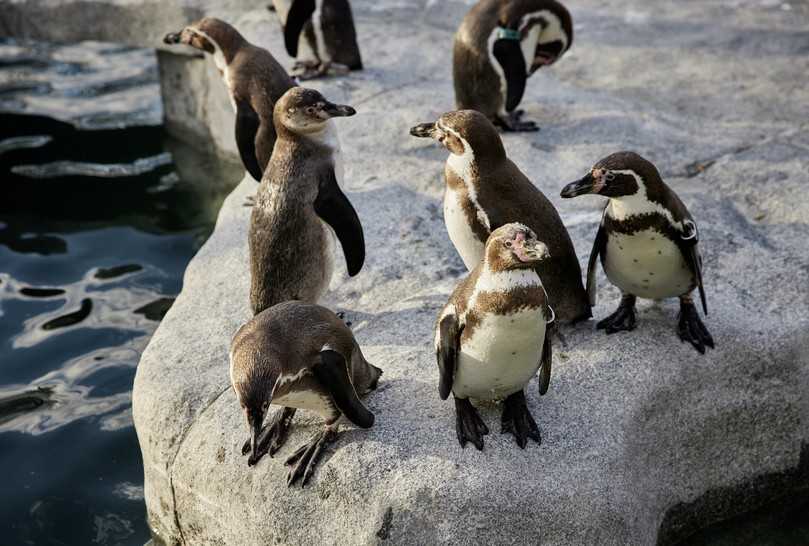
column 96, row 228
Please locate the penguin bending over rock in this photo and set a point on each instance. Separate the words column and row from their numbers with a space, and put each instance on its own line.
column 491, row 337
column 298, row 356
column 327, row 27
column 299, row 206
column 647, row 241
column 254, row 80
column 499, row 44
column 485, row 190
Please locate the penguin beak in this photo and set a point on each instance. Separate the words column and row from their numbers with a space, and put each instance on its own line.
column 423, row 130
column 255, row 419
column 580, row 187
column 532, row 251
column 338, row 110
column 172, row 38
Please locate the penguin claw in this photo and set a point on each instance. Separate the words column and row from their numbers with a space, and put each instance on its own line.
column 517, row 420
column 691, row 329
column 622, row 319
column 273, row 436
column 513, row 124
column 468, row 424
column 306, row 457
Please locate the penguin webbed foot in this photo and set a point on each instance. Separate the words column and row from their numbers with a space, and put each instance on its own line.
column 622, row 319
column 514, row 124
column 309, row 70
column 273, row 436
column 691, row 329
column 305, row 459
column 468, row 424
column 517, row 420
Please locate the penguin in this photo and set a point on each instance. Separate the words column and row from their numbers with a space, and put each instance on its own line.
column 299, row 206
column 499, row 44
column 254, row 80
column 485, row 190
column 491, row 336
column 647, row 241
column 327, row 27
column 298, row 356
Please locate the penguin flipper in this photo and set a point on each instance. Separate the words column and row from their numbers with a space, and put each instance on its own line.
column 299, row 13
column 690, row 252
column 335, row 209
column 447, row 353
column 331, row 371
column 598, row 247
column 247, row 124
column 509, row 54
column 545, row 363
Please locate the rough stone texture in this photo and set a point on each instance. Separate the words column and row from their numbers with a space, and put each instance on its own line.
column 640, row 432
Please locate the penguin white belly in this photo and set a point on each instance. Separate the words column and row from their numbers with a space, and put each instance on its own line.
column 307, row 400
column 647, row 264
column 502, row 355
column 460, row 233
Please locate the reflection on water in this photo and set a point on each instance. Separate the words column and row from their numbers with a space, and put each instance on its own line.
column 96, row 228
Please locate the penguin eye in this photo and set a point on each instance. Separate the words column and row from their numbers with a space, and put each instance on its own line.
column 310, row 109
column 508, row 244
column 265, row 405
column 609, row 176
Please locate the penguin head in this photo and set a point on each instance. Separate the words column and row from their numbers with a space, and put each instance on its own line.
column 464, row 132
column 555, row 38
column 514, row 246
column 206, row 35
column 301, row 110
column 618, row 175
column 253, row 391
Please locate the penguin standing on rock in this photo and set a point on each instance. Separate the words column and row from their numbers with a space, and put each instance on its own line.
column 485, row 190
column 300, row 207
column 254, row 80
column 491, row 337
column 327, row 29
column 298, row 356
column 499, row 44
column 647, row 241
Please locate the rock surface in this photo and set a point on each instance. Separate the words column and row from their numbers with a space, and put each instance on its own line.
column 644, row 441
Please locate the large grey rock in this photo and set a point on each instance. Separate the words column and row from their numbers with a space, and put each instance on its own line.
column 644, row 440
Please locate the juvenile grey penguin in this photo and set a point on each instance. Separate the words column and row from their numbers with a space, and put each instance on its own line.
column 647, row 241
column 298, row 356
column 327, row 29
column 485, row 190
column 491, row 337
column 254, row 80
column 299, row 206
column 499, row 44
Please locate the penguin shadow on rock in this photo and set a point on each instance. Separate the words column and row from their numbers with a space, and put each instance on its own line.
column 648, row 244
column 255, row 81
column 498, row 46
column 320, row 36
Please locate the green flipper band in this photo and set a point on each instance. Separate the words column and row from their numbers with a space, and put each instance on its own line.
column 508, row 34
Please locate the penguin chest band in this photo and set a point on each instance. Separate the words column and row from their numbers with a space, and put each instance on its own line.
column 501, row 355
column 647, row 264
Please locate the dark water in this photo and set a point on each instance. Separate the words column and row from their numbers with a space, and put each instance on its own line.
column 97, row 225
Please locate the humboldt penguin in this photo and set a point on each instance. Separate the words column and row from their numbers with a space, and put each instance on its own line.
column 298, row 356
column 485, row 190
column 647, row 241
column 499, row 44
column 254, row 80
column 326, row 27
column 299, row 206
column 490, row 338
